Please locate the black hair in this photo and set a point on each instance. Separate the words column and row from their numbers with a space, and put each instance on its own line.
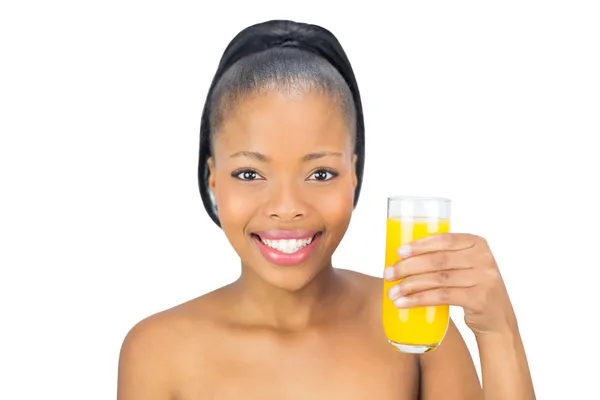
column 285, row 69
column 274, row 55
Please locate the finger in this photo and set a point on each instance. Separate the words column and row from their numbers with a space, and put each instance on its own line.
column 438, row 242
column 454, row 278
column 426, row 263
column 436, row 297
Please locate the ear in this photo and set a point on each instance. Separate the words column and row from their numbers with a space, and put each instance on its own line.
column 210, row 162
column 354, row 176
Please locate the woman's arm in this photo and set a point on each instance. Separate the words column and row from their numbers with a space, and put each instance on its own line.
column 460, row 270
column 448, row 373
column 504, row 369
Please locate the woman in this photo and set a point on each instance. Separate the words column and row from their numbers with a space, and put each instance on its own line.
column 281, row 162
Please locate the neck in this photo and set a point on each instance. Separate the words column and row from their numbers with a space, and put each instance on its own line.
column 265, row 305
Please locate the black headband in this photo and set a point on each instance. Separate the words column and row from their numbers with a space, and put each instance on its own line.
column 273, row 34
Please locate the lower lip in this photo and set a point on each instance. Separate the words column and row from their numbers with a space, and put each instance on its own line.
column 280, row 258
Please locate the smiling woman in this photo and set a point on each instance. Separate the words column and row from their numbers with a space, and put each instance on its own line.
column 284, row 57
column 281, row 164
column 281, row 161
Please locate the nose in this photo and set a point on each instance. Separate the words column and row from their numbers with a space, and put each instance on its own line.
column 286, row 202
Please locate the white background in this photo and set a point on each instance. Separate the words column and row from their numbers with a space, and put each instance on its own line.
column 493, row 105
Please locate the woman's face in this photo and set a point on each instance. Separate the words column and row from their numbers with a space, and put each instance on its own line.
column 283, row 176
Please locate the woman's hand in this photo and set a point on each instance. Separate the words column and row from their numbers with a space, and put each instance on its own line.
column 453, row 269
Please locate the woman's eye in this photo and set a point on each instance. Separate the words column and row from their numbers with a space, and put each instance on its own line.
column 323, row 175
column 247, row 175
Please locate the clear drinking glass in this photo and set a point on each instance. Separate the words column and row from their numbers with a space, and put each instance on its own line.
column 420, row 329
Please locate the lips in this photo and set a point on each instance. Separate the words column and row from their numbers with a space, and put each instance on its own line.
column 286, row 247
column 285, row 234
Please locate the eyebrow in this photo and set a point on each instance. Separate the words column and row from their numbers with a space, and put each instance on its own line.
column 251, row 154
column 308, row 157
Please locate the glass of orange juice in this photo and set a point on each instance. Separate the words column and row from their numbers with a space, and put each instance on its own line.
column 420, row 329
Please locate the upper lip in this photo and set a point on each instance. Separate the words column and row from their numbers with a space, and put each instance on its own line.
column 276, row 234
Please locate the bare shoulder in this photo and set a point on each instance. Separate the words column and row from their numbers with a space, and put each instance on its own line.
column 449, row 371
column 369, row 289
column 365, row 284
column 446, row 373
column 154, row 350
column 143, row 361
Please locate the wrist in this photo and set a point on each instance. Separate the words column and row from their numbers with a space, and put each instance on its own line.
column 498, row 340
column 506, row 328
column 500, row 346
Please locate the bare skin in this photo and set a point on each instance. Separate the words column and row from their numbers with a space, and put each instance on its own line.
column 206, row 349
column 307, row 331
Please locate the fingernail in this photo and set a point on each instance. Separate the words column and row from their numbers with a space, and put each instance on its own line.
column 389, row 273
column 404, row 251
column 401, row 302
column 394, row 292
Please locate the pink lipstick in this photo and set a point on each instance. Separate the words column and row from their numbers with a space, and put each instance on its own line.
column 286, row 247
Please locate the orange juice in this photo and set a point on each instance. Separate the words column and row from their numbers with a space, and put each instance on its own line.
column 421, row 328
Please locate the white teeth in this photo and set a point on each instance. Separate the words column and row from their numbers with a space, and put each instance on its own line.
column 288, row 246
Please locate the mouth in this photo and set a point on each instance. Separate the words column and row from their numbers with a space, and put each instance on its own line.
column 286, row 247
column 289, row 245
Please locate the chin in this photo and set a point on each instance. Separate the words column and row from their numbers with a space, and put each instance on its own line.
column 291, row 278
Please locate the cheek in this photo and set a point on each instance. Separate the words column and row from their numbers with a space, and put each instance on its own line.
column 336, row 206
column 233, row 206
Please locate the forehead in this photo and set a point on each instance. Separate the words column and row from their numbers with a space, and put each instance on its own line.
column 286, row 122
